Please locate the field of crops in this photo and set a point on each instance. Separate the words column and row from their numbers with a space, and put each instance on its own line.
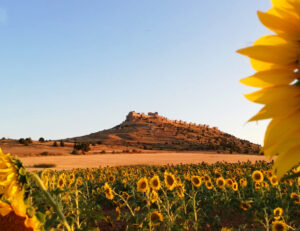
column 241, row 196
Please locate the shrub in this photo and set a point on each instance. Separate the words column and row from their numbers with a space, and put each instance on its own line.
column 84, row 147
column 41, row 140
column 26, row 141
column 55, row 144
column 62, row 143
column 46, row 165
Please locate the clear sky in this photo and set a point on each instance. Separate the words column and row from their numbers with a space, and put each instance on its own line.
column 72, row 67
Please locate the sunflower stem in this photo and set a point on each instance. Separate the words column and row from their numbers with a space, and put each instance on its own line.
column 50, row 199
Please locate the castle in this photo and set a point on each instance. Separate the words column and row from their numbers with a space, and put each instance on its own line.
column 134, row 116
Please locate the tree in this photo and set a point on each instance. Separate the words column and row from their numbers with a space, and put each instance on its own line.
column 41, row 140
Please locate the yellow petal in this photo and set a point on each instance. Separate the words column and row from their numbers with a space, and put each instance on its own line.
column 270, row 77
column 279, row 129
column 273, row 94
column 5, row 209
column 288, row 25
column 287, row 5
column 283, row 55
column 286, row 161
column 277, row 109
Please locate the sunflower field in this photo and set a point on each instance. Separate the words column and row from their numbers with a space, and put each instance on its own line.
column 221, row 196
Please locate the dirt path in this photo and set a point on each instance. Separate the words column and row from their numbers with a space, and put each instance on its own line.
column 91, row 161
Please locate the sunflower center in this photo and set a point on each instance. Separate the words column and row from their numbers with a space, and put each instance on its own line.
column 170, row 180
column 13, row 222
column 143, row 184
column 279, row 227
column 257, row 176
column 196, row 181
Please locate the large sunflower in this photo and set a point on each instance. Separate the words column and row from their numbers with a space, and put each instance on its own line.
column 13, row 216
column 13, row 210
column 277, row 61
column 8, row 176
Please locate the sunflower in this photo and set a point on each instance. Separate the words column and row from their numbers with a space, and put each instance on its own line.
column 278, row 212
column 265, row 185
column 180, row 189
column 108, row 191
column 79, row 181
column 111, row 178
column 155, row 218
column 229, row 182
column 124, row 182
column 71, row 179
column 45, row 180
column 170, row 180
column 243, row 182
column 9, row 185
column 257, row 185
column 196, row 181
column 155, row 182
column 218, row 175
column 13, row 217
column 153, row 196
column 245, row 206
column 274, row 181
column 209, row 185
column 235, row 186
column 276, row 60
column 61, row 181
column 14, row 213
column 279, row 226
column 295, row 197
column 220, row 182
column 206, row 178
column 142, row 185
column 257, row 176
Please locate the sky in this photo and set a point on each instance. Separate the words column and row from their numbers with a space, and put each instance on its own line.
column 73, row 67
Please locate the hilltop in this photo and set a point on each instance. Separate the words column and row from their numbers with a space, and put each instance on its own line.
column 155, row 132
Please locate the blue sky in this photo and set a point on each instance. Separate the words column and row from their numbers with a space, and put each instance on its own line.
column 69, row 68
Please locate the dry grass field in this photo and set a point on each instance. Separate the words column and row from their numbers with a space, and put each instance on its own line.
column 93, row 161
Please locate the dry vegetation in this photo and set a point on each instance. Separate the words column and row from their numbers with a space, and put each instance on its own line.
column 154, row 132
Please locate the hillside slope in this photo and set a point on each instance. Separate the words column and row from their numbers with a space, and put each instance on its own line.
column 155, row 132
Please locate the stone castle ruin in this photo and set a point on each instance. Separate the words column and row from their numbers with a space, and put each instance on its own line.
column 134, row 117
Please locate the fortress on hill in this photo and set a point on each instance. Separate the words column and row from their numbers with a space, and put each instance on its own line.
column 134, row 117
column 151, row 131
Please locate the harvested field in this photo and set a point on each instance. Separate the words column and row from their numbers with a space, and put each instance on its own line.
column 92, row 161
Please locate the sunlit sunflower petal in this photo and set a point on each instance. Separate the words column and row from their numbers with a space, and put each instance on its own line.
column 278, row 24
column 287, row 160
column 292, row 6
column 282, row 55
column 278, row 129
column 277, row 58
column 270, row 78
column 274, row 94
column 277, row 109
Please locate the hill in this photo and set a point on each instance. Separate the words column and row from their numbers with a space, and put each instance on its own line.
column 155, row 132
